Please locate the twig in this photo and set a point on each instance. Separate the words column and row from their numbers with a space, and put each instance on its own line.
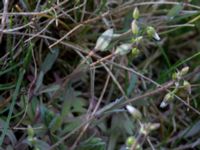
column 66, row 35
column 78, row 50
column 4, row 18
column 94, row 111
column 102, row 110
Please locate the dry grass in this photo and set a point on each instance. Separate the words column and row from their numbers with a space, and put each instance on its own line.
column 59, row 92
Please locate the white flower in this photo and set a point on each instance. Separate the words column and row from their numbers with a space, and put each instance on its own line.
column 156, row 36
column 134, row 112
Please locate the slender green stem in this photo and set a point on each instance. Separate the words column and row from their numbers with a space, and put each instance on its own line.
column 14, row 97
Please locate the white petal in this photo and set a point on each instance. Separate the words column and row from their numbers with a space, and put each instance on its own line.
column 130, row 109
column 123, row 49
column 163, row 104
column 156, row 36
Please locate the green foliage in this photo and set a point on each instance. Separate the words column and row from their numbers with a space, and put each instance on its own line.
column 46, row 66
column 92, row 143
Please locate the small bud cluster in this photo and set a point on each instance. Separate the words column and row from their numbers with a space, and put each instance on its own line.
column 136, row 114
column 136, row 30
column 180, row 84
column 31, row 138
column 132, row 141
column 145, row 129
column 126, row 48
column 151, row 32
column 105, row 39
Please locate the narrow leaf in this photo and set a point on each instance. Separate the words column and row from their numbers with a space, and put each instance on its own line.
column 104, row 40
column 174, row 11
column 50, row 88
column 49, row 60
column 46, row 66
column 55, row 123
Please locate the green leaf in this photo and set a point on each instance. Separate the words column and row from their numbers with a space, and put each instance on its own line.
column 9, row 133
column 104, row 40
column 190, row 131
column 110, row 106
column 72, row 124
column 55, row 123
column 55, row 138
column 49, row 60
column 28, row 56
column 9, row 147
column 11, row 137
column 46, row 66
column 14, row 98
column 78, row 105
column 41, row 145
column 68, row 99
column 14, row 66
column 174, row 11
column 50, row 88
column 132, row 84
column 113, row 140
column 47, row 115
column 39, row 81
column 92, row 144
column 32, row 108
column 125, row 125
column 6, row 86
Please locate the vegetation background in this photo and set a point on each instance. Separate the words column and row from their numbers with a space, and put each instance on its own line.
column 99, row 74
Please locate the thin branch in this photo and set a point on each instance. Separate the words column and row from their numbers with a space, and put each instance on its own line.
column 4, row 18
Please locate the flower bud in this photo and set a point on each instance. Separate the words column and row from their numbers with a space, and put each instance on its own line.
column 136, row 13
column 152, row 33
column 135, row 51
column 176, row 75
column 168, row 97
column 146, row 128
column 130, row 141
column 32, row 140
column 143, row 129
column 154, row 126
column 30, row 131
column 134, row 112
column 184, row 71
column 134, row 27
column 187, row 86
column 123, row 49
column 137, row 39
